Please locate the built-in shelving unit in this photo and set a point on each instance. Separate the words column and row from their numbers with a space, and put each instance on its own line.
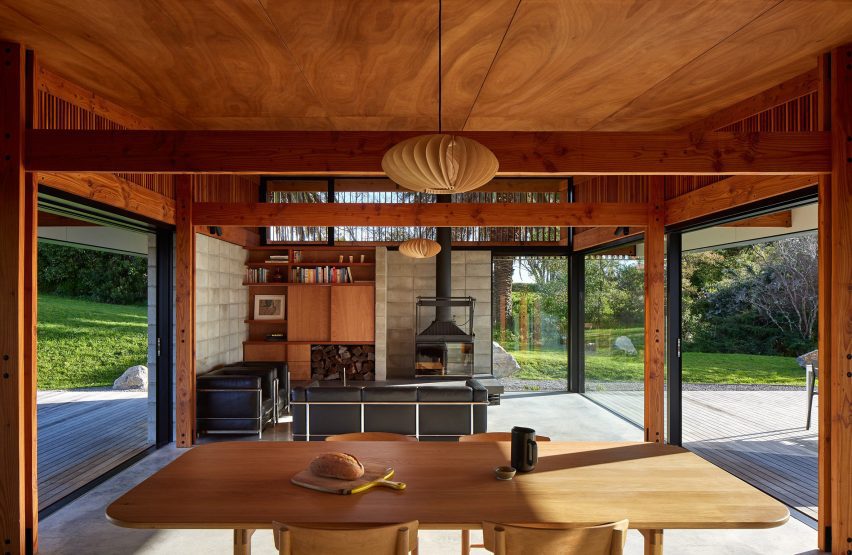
column 329, row 298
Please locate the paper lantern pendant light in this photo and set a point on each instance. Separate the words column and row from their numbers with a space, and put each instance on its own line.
column 419, row 248
column 440, row 164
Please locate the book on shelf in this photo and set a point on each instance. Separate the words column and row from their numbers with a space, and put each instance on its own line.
column 321, row 274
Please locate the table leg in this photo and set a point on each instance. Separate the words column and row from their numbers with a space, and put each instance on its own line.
column 242, row 541
column 653, row 541
column 465, row 542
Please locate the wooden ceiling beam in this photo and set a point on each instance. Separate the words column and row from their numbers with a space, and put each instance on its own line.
column 731, row 193
column 427, row 215
column 777, row 219
column 360, row 153
column 791, row 89
column 599, row 236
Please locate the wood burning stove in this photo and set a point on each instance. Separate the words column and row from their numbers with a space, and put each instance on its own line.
column 443, row 348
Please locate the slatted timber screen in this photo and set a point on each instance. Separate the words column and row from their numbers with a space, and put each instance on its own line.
column 612, row 188
column 799, row 114
column 57, row 113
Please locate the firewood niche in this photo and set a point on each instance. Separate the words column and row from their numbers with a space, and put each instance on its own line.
column 328, row 362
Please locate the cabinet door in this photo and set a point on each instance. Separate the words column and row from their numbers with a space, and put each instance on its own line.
column 353, row 314
column 308, row 313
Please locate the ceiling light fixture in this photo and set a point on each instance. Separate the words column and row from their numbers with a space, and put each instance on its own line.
column 419, row 248
column 440, row 163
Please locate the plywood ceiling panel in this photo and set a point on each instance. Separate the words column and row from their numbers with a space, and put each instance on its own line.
column 354, row 65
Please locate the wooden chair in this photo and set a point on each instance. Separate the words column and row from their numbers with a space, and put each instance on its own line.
column 370, row 436
column 483, row 437
column 496, row 436
column 396, row 539
column 506, row 539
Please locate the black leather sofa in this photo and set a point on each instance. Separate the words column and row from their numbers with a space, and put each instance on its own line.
column 430, row 413
column 241, row 398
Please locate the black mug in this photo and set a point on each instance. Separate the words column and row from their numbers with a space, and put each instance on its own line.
column 524, row 449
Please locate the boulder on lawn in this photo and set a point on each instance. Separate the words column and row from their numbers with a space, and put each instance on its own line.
column 502, row 363
column 808, row 358
column 134, row 378
column 623, row 344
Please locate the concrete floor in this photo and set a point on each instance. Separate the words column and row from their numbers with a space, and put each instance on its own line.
column 81, row 527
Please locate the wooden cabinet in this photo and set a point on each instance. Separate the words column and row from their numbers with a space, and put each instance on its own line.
column 353, row 314
column 308, row 313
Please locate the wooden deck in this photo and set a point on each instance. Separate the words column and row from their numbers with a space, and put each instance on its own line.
column 758, row 436
column 83, row 434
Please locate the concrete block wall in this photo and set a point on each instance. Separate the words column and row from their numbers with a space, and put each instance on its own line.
column 405, row 279
column 381, row 313
column 221, row 303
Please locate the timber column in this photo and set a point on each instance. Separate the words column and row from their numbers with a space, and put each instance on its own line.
column 184, row 313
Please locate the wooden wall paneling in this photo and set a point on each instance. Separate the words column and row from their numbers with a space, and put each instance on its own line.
column 308, row 313
column 655, row 316
column 360, row 153
column 731, row 193
column 31, row 222
column 243, row 236
column 824, row 356
column 800, row 85
column 599, row 236
column 353, row 313
column 115, row 192
column 13, row 452
column 423, row 214
column 841, row 299
column 184, row 314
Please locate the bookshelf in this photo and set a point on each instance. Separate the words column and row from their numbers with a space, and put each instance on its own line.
column 329, row 297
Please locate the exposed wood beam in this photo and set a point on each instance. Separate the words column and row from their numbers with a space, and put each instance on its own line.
column 385, row 185
column 115, row 192
column 599, row 236
column 655, row 313
column 430, row 215
column 68, row 91
column 791, row 89
column 824, row 354
column 360, row 153
column 777, row 219
column 241, row 236
column 731, row 193
column 841, row 299
column 13, row 333
column 184, row 314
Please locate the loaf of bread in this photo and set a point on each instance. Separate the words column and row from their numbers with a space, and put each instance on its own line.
column 342, row 466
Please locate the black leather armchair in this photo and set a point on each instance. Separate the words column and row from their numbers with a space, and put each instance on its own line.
column 236, row 400
column 282, row 397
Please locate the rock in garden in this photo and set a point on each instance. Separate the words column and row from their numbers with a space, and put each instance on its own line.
column 623, row 343
column 808, row 358
column 135, row 377
column 503, row 364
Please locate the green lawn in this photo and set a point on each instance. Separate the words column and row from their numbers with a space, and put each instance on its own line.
column 87, row 344
column 697, row 367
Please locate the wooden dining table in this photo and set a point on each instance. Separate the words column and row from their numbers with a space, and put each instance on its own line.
column 246, row 486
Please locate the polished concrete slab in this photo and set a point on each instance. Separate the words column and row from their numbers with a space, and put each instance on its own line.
column 81, row 526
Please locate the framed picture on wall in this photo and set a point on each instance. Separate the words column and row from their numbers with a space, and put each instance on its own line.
column 269, row 307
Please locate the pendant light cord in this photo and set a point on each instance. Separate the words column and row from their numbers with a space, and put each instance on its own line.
column 440, row 63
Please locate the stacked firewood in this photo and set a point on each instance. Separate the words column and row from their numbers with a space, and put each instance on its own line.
column 329, row 362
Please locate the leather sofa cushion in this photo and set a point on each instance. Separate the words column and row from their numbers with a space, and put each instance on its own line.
column 334, row 394
column 212, row 380
column 389, row 394
column 267, row 373
column 455, row 394
column 480, row 392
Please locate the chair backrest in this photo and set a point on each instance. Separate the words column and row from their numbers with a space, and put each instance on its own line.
column 496, row 436
column 396, row 539
column 370, row 436
column 505, row 539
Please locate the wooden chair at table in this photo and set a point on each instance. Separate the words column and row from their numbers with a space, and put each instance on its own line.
column 370, row 436
column 483, row 437
column 496, row 436
column 396, row 539
column 506, row 539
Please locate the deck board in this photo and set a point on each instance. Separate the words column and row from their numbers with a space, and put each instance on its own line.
column 83, row 434
column 758, row 436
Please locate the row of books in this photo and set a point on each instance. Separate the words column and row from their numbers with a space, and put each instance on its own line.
column 278, row 259
column 262, row 275
column 321, row 274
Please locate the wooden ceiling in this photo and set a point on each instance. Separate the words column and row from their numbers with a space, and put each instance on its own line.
column 530, row 65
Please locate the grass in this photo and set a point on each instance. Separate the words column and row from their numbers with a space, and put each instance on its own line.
column 87, row 344
column 697, row 367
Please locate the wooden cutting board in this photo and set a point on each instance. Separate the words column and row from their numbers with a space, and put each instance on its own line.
column 374, row 475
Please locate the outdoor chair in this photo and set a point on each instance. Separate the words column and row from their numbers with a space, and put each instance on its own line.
column 505, row 539
column 370, row 436
column 396, row 539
